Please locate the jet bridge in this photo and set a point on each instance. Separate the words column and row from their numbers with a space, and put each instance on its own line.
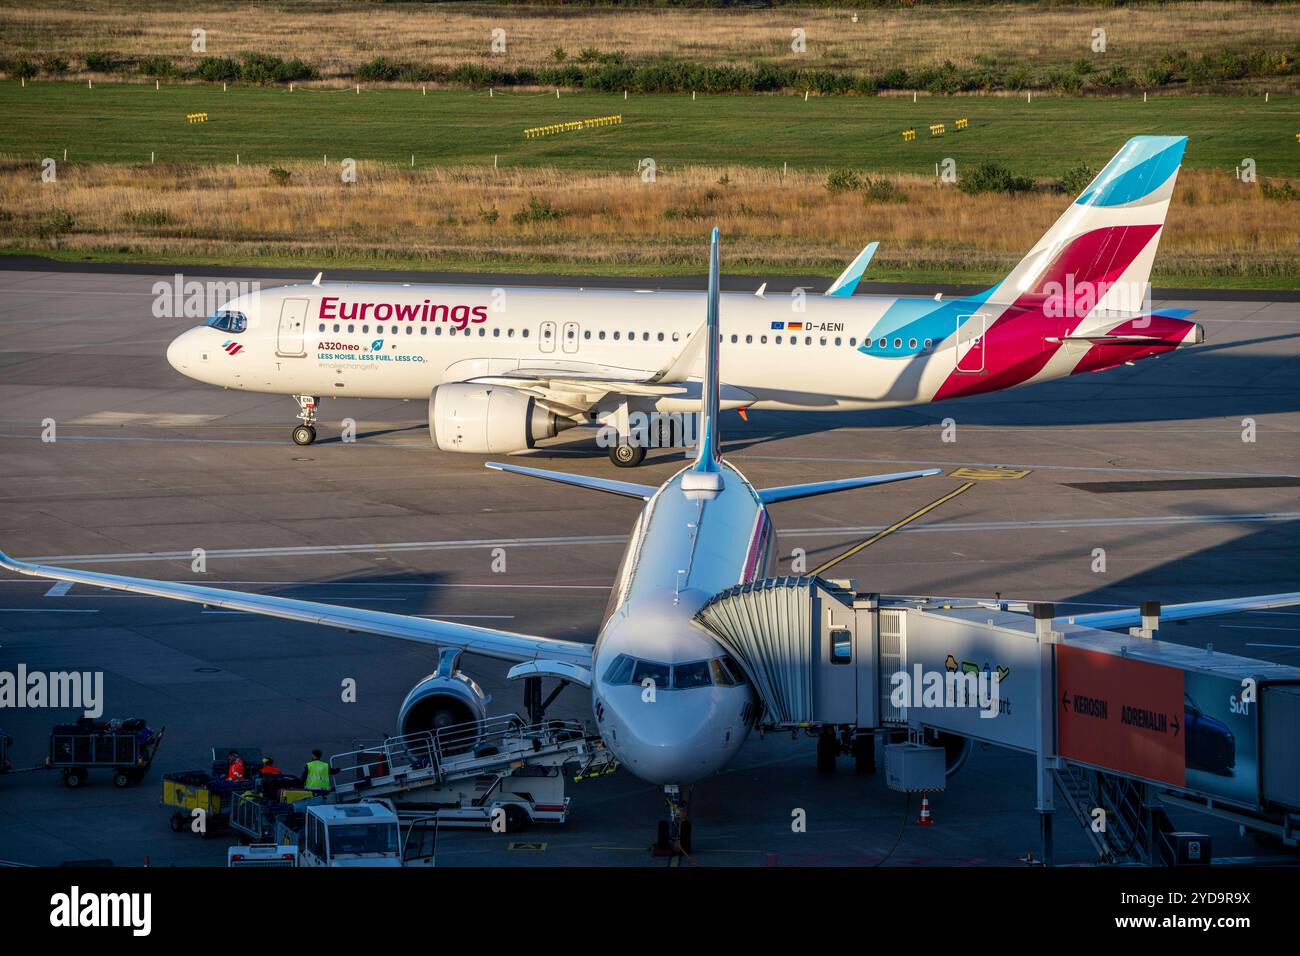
column 1124, row 723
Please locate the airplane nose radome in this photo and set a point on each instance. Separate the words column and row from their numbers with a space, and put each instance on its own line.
column 174, row 354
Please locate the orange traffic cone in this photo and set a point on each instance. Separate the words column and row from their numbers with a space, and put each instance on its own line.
column 925, row 820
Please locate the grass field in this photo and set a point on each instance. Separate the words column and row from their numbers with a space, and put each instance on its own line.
column 719, row 160
column 124, row 123
column 338, row 36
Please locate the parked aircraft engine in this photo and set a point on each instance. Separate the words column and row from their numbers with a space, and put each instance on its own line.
column 441, row 701
column 489, row 419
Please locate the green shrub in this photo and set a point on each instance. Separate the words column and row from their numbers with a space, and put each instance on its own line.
column 881, row 190
column 60, row 221
column 54, row 64
column 101, row 61
column 1284, row 191
column 157, row 66
column 994, row 178
column 537, row 210
column 843, row 180
column 279, row 175
column 380, row 69
column 25, row 69
column 146, row 217
column 1075, row 179
column 216, row 69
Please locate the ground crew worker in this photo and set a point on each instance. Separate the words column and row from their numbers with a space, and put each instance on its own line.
column 269, row 769
column 234, row 766
column 316, row 775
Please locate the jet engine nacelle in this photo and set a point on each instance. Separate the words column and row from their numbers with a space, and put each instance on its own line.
column 488, row 419
column 441, row 701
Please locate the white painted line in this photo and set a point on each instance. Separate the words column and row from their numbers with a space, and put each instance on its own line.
column 1258, row 627
column 546, row 542
column 61, row 588
column 1289, row 647
column 47, row 610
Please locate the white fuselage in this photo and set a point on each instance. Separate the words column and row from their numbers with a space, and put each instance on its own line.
column 663, row 718
column 343, row 340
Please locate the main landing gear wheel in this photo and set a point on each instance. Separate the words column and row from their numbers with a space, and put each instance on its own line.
column 626, row 456
column 304, row 435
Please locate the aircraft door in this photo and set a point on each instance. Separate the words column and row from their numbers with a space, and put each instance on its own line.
column 570, row 341
column 970, row 342
column 548, row 337
column 293, row 321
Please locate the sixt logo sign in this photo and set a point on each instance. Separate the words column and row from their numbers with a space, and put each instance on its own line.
column 334, row 308
column 232, row 347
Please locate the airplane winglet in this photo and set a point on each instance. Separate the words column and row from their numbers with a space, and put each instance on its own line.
column 319, row 276
column 849, row 278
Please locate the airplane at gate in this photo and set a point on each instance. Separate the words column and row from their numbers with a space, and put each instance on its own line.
column 505, row 368
column 668, row 699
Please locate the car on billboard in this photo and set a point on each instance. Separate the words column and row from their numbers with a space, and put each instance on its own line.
column 1210, row 745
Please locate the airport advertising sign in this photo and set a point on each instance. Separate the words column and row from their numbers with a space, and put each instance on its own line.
column 971, row 679
column 1188, row 729
column 1121, row 714
column 1222, row 737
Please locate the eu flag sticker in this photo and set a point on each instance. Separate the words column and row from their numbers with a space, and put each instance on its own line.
column 778, row 326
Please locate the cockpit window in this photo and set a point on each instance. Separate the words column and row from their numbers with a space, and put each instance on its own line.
column 722, row 671
column 620, row 672
column 652, row 670
column 725, row 672
column 229, row 321
column 694, row 674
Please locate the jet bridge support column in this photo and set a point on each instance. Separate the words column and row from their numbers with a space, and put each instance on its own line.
column 1045, row 752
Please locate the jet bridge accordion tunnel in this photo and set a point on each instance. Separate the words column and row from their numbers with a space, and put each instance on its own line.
column 1210, row 728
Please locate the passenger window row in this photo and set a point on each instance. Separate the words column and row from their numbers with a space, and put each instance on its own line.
column 351, row 327
column 339, row 328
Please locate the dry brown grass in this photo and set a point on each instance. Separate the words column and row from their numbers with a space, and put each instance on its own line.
column 1217, row 226
column 336, row 37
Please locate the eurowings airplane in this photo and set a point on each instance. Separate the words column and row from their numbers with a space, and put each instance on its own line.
column 503, row 369
column 702, row 532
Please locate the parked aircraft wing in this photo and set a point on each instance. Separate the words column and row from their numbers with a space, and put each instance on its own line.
column 1132, row 617
column 790, row 492
column 625, row 488
column 568, row 383
column 502, row 645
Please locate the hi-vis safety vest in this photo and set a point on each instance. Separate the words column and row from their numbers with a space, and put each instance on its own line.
column 318, row 775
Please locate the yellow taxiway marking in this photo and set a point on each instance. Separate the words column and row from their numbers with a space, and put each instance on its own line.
column 901, row 523
column 988, row 474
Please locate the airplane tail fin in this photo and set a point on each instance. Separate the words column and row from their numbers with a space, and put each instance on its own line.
column 1098, row 254
column 704, row 474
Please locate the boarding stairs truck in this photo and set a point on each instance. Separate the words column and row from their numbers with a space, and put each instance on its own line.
column 500, row 773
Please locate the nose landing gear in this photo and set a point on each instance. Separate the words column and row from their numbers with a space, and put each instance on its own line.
column 305, row 433
column 673, row 837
